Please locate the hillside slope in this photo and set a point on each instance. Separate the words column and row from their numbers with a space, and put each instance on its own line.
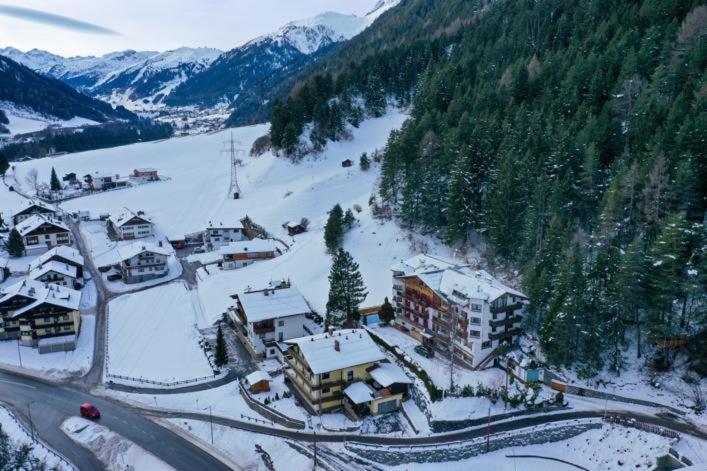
column 567, row 135
column 25, row 88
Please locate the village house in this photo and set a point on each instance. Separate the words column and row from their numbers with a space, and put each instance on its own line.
column 269, row 316
column 40, row 315
column 34, row 208
column 243, row 253
column 128, row 225
column 62, row 254
column 142, row 261
column 219, row 234
column 438, row 301
column 344, row 370
column 57, row 273
column 40, row 234
column 142, row 175
column 258, row 381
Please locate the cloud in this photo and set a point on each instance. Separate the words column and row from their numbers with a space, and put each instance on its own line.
column 38, row 16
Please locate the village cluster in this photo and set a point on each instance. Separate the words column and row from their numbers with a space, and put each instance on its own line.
column 446, row 306
column 73, row 186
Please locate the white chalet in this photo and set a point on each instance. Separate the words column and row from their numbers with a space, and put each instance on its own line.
column 269, row 316
column 219, row 234
column 63, row 254
column 56, row 273
column 40, row 233
column 129, row 225
column 33, row 208
column 142, row 261
column 243, row 253
column 439, row 301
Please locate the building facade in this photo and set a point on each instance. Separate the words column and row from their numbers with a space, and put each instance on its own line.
column 40, row 315
column 448, row 305
column 243, row 253
column 333, row 372
column 62, row 254
column 61, row 274
column 128, row 225
column 269, row 316
column 143, row 261
column 219, row 234
column 40, row 234
column 35, row 208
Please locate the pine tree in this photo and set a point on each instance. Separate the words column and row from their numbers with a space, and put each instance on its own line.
column 346, row 290
column 54, row 183
column 334, row 228
column 364, row 162
column 221, row 354
column 349, row 219
column 387, row 313
column 4, row 164
column 15, row 244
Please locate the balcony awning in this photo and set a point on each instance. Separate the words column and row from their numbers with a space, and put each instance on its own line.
column 359, row 392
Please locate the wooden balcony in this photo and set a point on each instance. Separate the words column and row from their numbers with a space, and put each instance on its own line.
column 506, row 334
column 507, row 308
column 507, row 322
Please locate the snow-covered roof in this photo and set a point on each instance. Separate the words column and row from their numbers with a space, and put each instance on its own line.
column 33, row 204
column 146, row 169
column 33, row 222
column 124, row 216
column 422, row 263
column 63, row 251
column 277, row 303
column 41, row 293
column 249, row 246
column 55, row 266
column 355, row 348
column 456, row 282
column 359, row 392
column 257, row 376
column 387, row 373
column 127, row 252
column 225, row 225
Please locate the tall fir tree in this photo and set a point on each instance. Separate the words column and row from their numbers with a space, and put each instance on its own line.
column 15, row 244
column 387, row 313
column 346, row 290
column 221, row 353
column 334, row 228
column 4, row 164
column 54, row 182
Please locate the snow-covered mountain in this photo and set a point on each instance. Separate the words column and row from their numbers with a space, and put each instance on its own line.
column 135, row 79
column 242, row 76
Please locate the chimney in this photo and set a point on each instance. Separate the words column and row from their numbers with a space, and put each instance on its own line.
column 337, row 346
column 159, row 243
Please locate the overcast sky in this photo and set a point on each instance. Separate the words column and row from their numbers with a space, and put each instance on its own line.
column 94, row 27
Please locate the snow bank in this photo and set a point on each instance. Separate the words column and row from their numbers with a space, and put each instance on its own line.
column 116, row 452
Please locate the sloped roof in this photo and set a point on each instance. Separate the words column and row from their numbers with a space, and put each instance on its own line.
column 355, row 348
column 127, row 252
column 249, row 246
column 41, row 293
column 386, row 374
column 32, row 204
column 359, row 392
column 63, row 251
column 422, row 263
column 33, row 222
column 218, row 224
column 282, row 302
column 257, row 376
column 124, row 216
column 53, row 265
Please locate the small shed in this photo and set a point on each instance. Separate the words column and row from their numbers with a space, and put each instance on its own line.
column 347, row 163
column 258, row 381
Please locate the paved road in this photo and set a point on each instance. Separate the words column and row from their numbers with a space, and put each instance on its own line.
column 51, row 404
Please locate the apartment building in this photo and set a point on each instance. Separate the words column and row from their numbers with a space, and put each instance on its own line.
column 219, row 234
column 445, row 304
column 62, row 254
column 34, row 208
column 128, row 225
column 142, row 261
column 243, row 253
column 40, row 233
column 40, row 315
column 268, row 316
column 343, row 370
column 57, row 273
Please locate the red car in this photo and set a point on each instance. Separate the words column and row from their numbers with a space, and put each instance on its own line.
column 90, row 411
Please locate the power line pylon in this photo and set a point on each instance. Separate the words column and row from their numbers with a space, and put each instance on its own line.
column 234, row 190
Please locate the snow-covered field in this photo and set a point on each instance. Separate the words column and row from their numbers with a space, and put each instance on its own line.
column 152, row 335
column 26, row 120
column 19, row 436
column 55, row 365
column 114, row 451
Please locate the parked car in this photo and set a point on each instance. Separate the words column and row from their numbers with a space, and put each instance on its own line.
column 424, row 351
column 114, row 277
column 198, row 250
column 90, row 411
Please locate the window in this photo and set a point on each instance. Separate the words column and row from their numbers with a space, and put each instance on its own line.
column 475, row 333
column 476, row 307
column 350, row 375
column 475, row 320
column 325, row 390
column 280, row 323
column 485, row 345
column 325, row 375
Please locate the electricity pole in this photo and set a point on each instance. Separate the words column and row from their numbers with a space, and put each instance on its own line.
column 211, row 420
column 234, row 189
